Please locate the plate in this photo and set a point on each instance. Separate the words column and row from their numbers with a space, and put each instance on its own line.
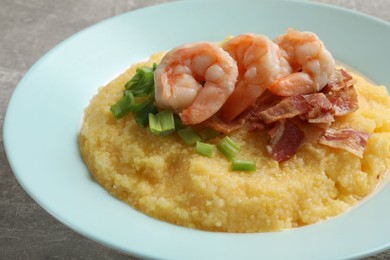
column 44, row 114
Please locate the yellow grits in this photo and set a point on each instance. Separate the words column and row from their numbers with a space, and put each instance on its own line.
column 166, row 179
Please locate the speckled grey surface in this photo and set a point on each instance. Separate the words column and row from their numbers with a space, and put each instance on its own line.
column 28, row 29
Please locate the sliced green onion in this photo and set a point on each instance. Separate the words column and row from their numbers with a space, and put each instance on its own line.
column 122, row 107
column 142, row 84
column 204, row 149
column 243, row 165
column 161, row 123
column 167, row 122
column 208, row 134
column 228, row 147
column 138, row 96
column 143, row 111
column 189, row 136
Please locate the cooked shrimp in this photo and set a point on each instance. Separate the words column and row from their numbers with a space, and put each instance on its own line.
column 259, row 64
column 311, row 63
column 195, row 80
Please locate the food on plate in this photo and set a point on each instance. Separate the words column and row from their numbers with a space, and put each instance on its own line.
column 249, row 135
column 195, row 79
column 311, row 64
column 259, row 63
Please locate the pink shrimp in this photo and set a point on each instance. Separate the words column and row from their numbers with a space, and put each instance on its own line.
column 311, row 63
column 259, row 64
column 195, row 80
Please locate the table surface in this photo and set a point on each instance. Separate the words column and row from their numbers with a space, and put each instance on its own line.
column 28, row 29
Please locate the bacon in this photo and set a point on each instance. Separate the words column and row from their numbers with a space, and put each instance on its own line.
column 347, row 139
column 287, row 108
column 338, row 80
column 312, row 132
column 255, row 124
column 322, row 109
column 290, row 120
column 344, row 101
column 341, row 93
column 265, row 101
column 287, row 138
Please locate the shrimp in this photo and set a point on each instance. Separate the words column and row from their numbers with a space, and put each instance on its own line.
column 312, row 64
column 259, row 64
column 195, row 80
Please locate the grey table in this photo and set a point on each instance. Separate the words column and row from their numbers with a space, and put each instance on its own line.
column 28, row 29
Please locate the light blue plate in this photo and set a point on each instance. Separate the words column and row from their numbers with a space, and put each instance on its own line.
column 44, row 114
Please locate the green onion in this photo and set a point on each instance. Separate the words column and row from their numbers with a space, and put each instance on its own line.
column 243, row 165
column 204, row 149
column 228, row 147
column 166, row 121
column 122, row 107
column 142, row 84
column 143, row 111
column 138, row 96
column 161, row 123
column 189, row 136
column 154, row 124
column 208, row 134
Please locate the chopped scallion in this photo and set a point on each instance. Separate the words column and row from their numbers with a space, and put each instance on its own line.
column 166, row 121
column 138, row 96
column 243, row 165
column 161, row 123
column 142, row 84
column 143, row 111
column 189, row 136
column 204, row 149
column 228, row 147
column 122, row 107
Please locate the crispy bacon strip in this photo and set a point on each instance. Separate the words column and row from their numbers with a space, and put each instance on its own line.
column 344, row 101
column 286, row 140
column 255, row 124
column 287, row 108
column 338, row 80
column 322, row 109
column 347, row 139
column 265, row 101
column 290, row 120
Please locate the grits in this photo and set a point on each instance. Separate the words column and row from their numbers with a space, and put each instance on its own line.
column 166, row 179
